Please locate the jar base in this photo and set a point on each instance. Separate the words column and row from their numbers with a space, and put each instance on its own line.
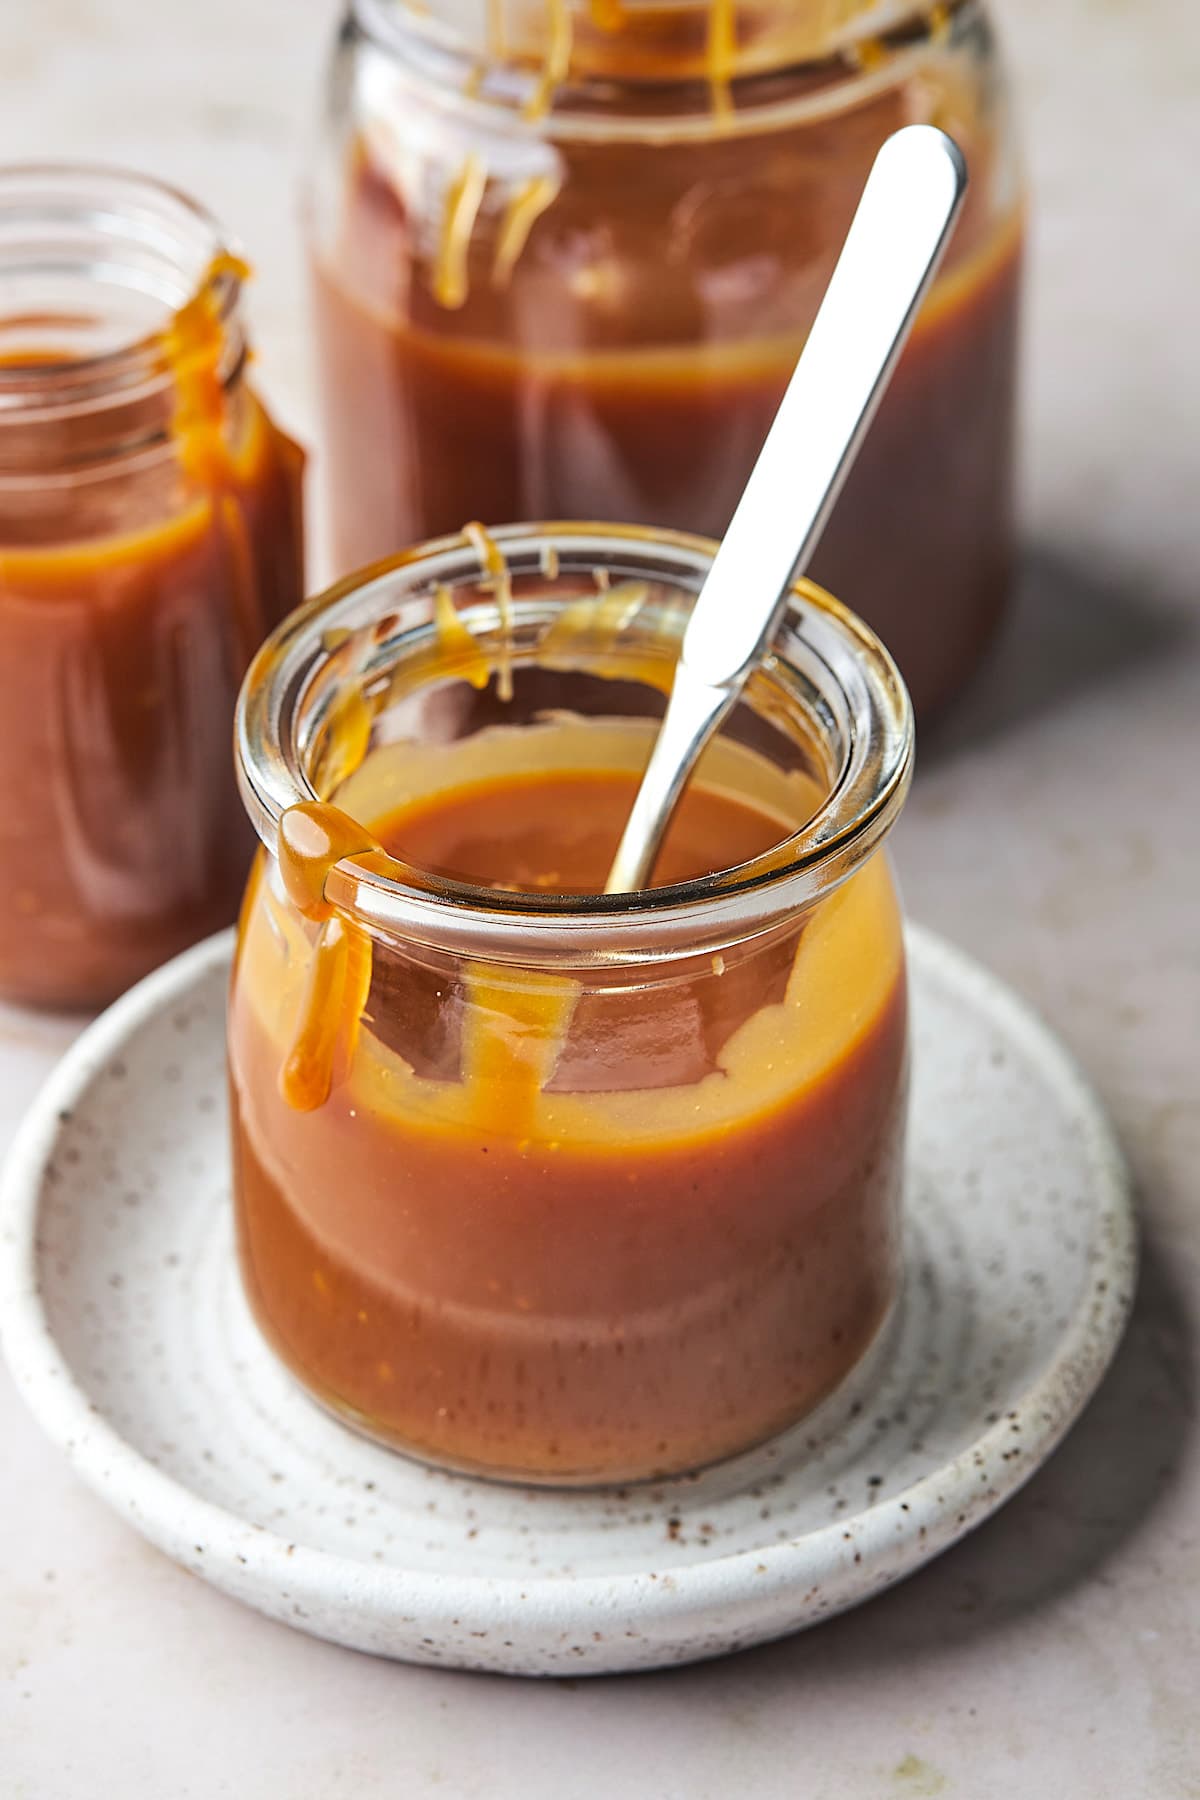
column 830, row 1416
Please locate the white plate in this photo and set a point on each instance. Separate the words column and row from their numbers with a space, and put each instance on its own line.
column 125, row 1327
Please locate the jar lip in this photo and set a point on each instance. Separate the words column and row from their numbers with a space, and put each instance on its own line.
column 49, row 192
column 582, row 930
column 899, row 29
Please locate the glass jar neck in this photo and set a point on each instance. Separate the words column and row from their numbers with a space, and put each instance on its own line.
column 112, row 287
column 361, row 655
column 578, row 60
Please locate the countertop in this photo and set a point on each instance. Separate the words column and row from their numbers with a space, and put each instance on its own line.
column 1052, row 831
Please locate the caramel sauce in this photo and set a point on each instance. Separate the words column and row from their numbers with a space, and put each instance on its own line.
column 721, row 54
column 344, row 739
column 720, row 63
column 607, row 15
column 557, row 61
column 525, row 207
column 459, row 652
column 307, row 1073
column 597, row 622
column 313, row 836
column 132, row 595
column 463, row 199
column 622, row 345
column 673, row 43
column 491, row 558
column 193, row 346
column 566, row 1229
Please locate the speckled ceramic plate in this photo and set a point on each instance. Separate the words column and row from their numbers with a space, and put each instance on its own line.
column 126, row 1330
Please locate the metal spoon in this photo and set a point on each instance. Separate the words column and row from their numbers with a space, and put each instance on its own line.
column 912, row 196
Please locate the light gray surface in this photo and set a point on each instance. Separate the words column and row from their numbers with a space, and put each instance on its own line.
column 1053, row 831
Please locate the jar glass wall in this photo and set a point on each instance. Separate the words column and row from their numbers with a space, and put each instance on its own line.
column 150, row 536
column 531, row 1181
column 565, row 260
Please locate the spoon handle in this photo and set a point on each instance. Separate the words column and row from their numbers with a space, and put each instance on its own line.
column 895, row 242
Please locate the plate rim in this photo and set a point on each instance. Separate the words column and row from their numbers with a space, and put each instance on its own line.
column 228, row 1548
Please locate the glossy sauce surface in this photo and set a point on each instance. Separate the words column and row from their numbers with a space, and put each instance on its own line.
column 132, row 595
column 572, row 1229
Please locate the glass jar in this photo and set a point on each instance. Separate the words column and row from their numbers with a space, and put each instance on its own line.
column 150, row 537
column 566, row 253
column 531, row 1181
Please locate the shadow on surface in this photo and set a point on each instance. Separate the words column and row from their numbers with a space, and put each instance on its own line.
column 1097, row 1492
column 1070, row 630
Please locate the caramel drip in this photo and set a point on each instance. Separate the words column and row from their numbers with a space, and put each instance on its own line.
column 345, row 739
column 457, row 646
column 599, row 619
column 870, row 54
column 491, row 558
column 194, row 347
column 607, row 15
column 463, row 200
column 549, row 561
column 721, row 55
column 354, row 999
column 307, row 1074
column 194, row 344
column 529, row 201
column 515, row 1028
column 557, row 59
column 313, row 837
column 330, row 1018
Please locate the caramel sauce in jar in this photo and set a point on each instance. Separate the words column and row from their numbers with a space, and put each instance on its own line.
column 529, row 1182
column 150, row 537
column 593, row 312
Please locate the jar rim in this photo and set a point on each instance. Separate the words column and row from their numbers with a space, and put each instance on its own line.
column 818, row 638
column 127, row 210
column 840, row 78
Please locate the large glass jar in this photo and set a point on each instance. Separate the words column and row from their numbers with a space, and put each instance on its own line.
column 566, row 253
column 150, row 537
column 531, row 1181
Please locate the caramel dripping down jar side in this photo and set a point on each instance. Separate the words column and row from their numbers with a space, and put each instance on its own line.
column 150, row 536
column 563, row 264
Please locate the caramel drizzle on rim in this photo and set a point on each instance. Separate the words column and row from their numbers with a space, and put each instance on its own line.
column 721, row 56
column 531, row 198
column 193, row 345
column 457, row 645
column 560, row 39
column 491, row 559
column 463, row 200
column 525, row 207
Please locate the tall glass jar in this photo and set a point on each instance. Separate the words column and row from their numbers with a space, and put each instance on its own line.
column 150, row 537
column 530, row 1180
column 566, row 253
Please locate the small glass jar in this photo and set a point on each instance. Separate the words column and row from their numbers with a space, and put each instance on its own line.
column 531, row 1181
column 566, row 253
column 150, row 537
